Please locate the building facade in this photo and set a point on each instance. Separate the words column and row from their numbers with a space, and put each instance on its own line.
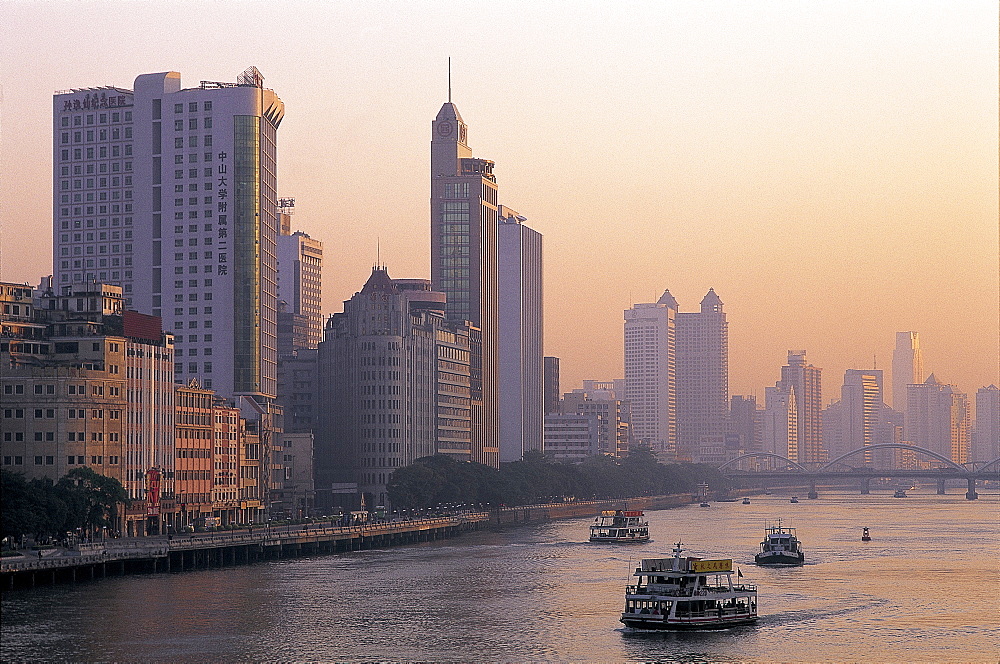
column 986, row 438
column 169, row 192
column 907, row 367
column 806, row 381
column 651, row 373
column 300, row 288
column 519, row 345
column 938, row 419
column 702, row 366
column 464, row 220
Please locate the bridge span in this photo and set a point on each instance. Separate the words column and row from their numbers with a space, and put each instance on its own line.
column 770, row 466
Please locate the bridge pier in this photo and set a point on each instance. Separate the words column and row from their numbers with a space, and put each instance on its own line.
column 971, row 493
column 865, row 490
column 812, row 490
column 940, row 487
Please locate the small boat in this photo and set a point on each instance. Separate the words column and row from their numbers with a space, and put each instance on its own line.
column 865, row 537
column 682, row 593
column 780, row 547
column 794, row 499
column 746, row 501
column 629, row 526
column 704, row 505
column 900, row 493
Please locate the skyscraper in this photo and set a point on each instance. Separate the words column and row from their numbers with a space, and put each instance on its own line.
column 781, row 422
column 170, row 193
column 853, row 421
column 907, row 367
column 702, row 376
column 300, row 288
column 986, row 439
column 937, row 419
column 806, row 382
column 550, row 384
column 464, row 219
column 650, row 372
column 519, row 345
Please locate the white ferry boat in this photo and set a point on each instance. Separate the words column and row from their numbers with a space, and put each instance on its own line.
column 688, row 593
column 620, row 526
column 780, row 547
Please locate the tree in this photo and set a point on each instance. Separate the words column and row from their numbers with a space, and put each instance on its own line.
column 93, row 498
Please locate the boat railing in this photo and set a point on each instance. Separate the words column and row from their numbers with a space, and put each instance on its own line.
column 673, row 591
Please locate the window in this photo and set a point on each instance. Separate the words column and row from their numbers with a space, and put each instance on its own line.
column 208, row 106
column 178, row 142
column 178, row 108
column 178, row 125
column 193, row 107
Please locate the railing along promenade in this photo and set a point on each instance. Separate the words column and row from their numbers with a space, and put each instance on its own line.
column 176, row 553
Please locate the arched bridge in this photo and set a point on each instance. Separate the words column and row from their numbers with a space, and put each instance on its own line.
column 770, row 466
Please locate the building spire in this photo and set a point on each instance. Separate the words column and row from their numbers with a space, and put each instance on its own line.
column 449, row 79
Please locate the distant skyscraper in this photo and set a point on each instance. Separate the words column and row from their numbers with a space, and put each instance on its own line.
column 300, row 286
column 170, row 193
column 907, row 367
column 937, row 419
column 519, row 347
column 745, row 421
column 781, row 422
column 650, row 372
column 986, row 441
column 550, row 386
column 806, row 382
column 702, row 375
column 464, row 220
column 853, row 421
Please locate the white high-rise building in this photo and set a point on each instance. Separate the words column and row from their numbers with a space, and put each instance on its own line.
column 169, row 192
column 907, row 367
column 519, row 338
column 650, row 372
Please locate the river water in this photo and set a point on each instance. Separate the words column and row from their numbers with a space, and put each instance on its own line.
column 924, row 590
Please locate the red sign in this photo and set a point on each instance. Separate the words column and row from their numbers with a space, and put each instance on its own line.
column 142, row 326
column 153, row 491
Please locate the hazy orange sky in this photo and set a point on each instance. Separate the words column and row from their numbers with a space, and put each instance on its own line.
column 829, row 168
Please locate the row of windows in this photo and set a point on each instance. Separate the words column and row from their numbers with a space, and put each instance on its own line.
column 193, row 124
column 101, row 153
column 192, row 142
column 193, row 107
column 102, row 118
column 77, row 223
column 98, row 135
column 192, row 367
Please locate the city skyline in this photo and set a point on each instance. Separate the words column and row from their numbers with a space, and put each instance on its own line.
column 830, row 173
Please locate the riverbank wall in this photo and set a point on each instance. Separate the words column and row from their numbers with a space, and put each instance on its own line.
column 180, row 553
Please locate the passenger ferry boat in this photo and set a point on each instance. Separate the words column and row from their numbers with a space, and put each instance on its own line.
column 900, row 493
column 620, row 526
column 688, row 593
column 780, row 547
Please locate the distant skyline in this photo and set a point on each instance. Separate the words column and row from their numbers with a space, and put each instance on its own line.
column 829, row 169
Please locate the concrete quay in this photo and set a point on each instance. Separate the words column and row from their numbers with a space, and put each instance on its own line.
column 179, row 553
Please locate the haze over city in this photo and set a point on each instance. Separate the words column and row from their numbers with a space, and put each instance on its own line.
column 831, row 171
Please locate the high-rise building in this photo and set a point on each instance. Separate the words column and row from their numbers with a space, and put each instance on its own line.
column 395, row 385
column 702, row 347
column 937, row 419
column 519, row 336
column 806, row 382
column 550, row 384
column 650, row 373
column 572, row 438
column 170, row 193
column 986, row 438
column 300, row 287
column 780, row 422
column 852, row 423
column 907, row 367
column 614, row 427
column 464, row 220
column 745, row 421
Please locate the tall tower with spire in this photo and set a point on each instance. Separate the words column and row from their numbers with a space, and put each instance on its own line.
column 464, row 218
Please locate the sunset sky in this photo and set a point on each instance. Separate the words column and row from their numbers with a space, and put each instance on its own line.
column 829, row 168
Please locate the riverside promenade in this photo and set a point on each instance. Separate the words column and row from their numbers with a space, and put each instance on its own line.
column 179, row 553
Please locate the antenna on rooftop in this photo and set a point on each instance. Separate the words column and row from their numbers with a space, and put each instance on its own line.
column 449, row 79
